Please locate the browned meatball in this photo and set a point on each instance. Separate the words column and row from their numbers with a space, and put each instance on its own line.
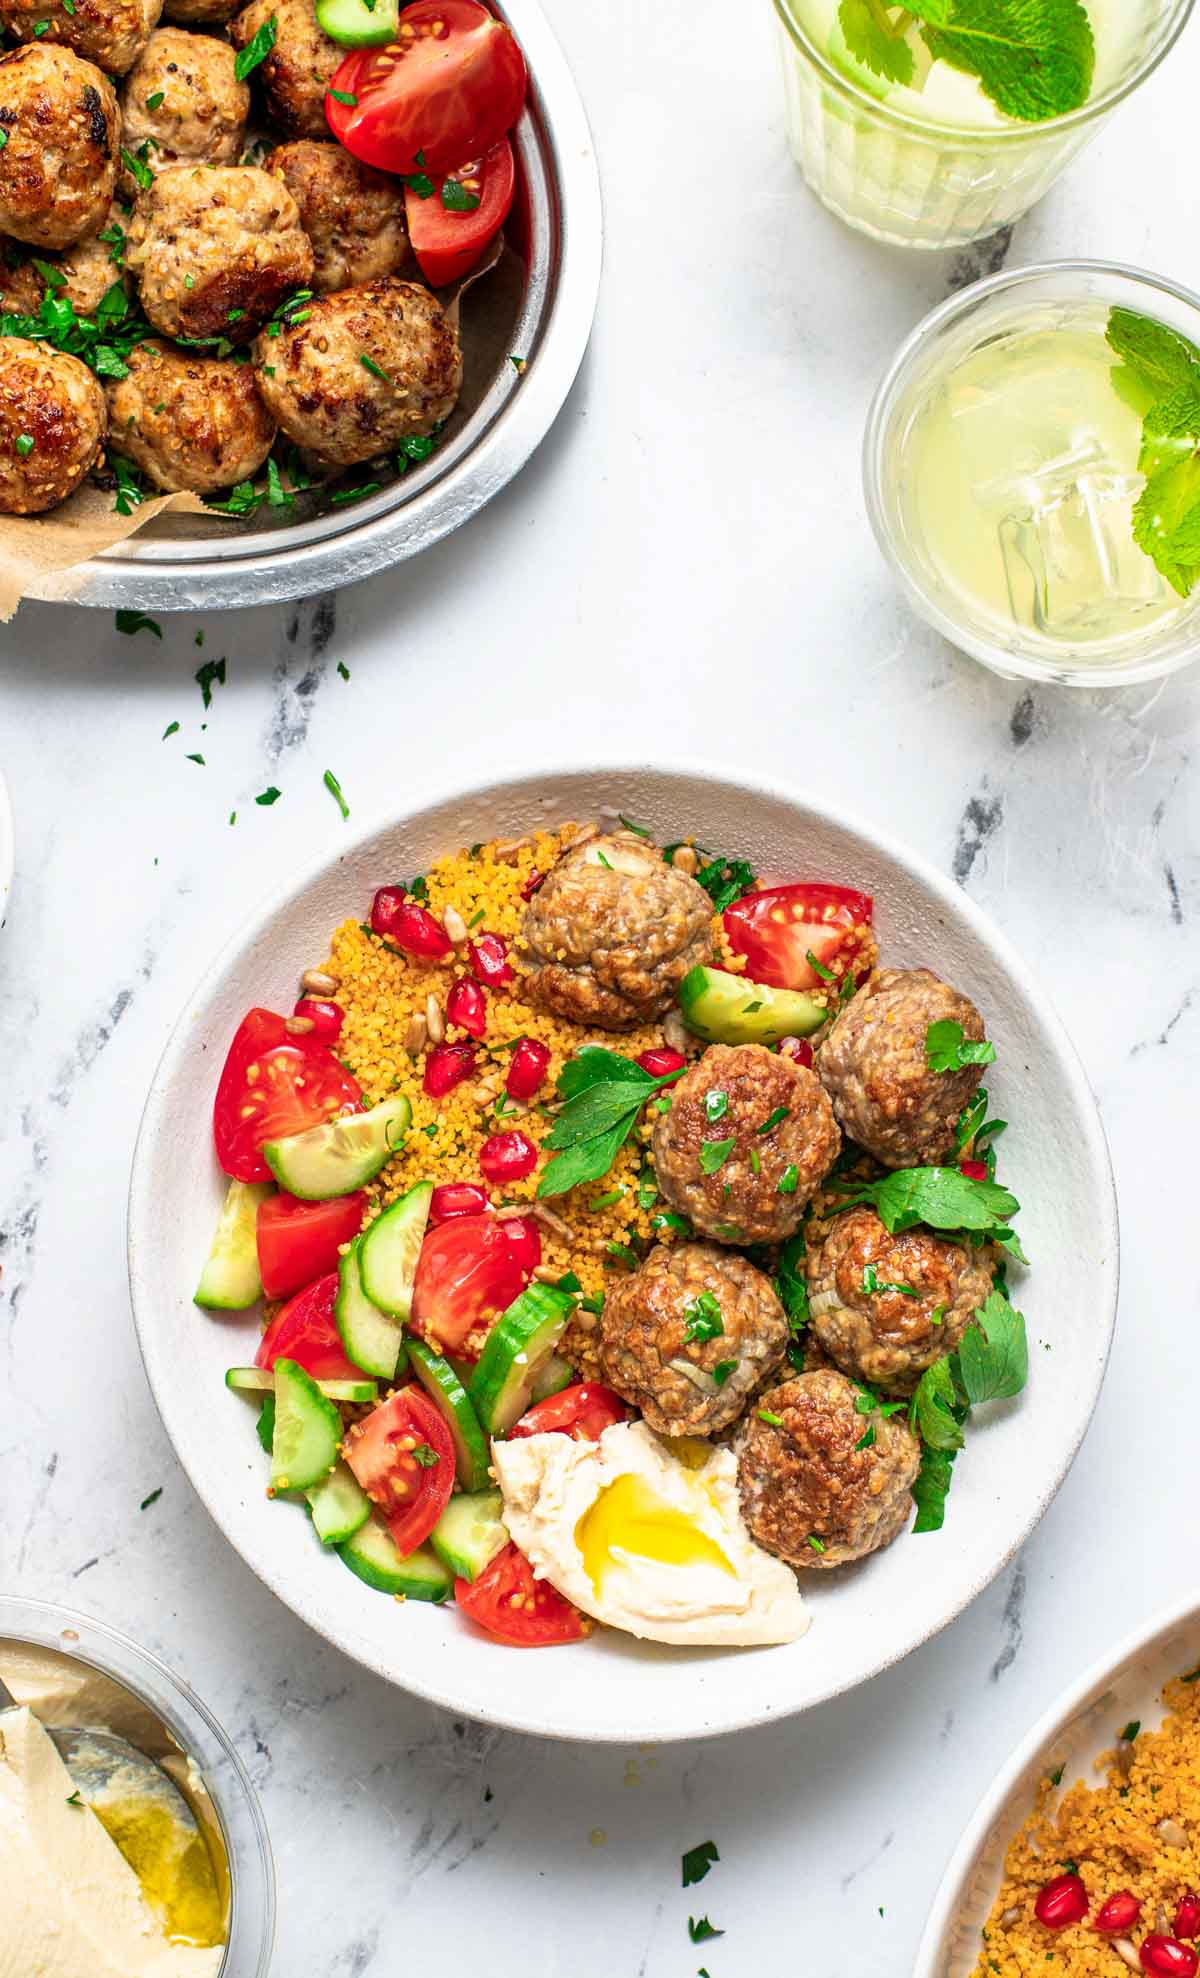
column 299, row 68
column 691, row 1336
column 353, row 216
column 52, row 425
column 886, row 1307
column 58, row 167
column 874, row 1067
column 810, row 1493
column 199, row 13
column 613, row 931
column 190, row 422
column 216, row 250
column 367, row 367
column 111, row 33
column 85, row 273
column 183, row 102
column 749, row 1137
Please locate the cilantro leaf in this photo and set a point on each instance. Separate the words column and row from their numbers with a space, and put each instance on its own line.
column 872, row 40
column 697, row 1862
column 948, row 1049
column 993, row 1354
column 1033, row 58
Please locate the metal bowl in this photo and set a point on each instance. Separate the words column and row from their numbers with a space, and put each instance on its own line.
column 178, row 563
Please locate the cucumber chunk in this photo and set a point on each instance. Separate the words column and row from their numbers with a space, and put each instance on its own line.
column 340, row 1156
column 230, row 1281
column 372, row 1555
column 552, row 1376
column 517, row 1348
column 371, row 1340
column 260, row 1380
column 449, row 1396
column 339, row 1506
column 359, row 23
column 470, row 1532
column 727, row 1009
column 307, row 1430
column 390, row 1248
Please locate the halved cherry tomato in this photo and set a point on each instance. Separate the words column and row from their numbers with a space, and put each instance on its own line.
column 470, row 1270
column 448, row 243
column 778, row 929
column 516, row 1608
column 452, row 89
column 403, row 1457
column 273, row 1084
column 583, row 1412
column 305, row 1332
column 299, row 1241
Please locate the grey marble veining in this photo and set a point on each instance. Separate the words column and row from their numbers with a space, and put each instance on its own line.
column 686, row 568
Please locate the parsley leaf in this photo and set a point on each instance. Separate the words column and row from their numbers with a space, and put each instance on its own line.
column 256, row 51
column 458, row 198
column 211, row 674
column 993, row 1354
column 130, row 622
column 703, row 1317
column 715, row 1153
column 152, row 1499
column 722, row 1371
column 697, row 1862
column 268, row 796
column 942, row 1198
column 335, row 790
column 991, row 1364
column 425, row 1456
column 725, row 880
column 604, row 1094
column 948, row 1049
column 700, row 1929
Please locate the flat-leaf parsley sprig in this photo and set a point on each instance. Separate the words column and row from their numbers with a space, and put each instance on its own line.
column 945, row 1199
column 604, row 1094
column 1033, row 58
column 991, row 1364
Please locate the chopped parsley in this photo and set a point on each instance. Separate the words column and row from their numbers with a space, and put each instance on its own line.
column 172, row 728
column 873, row 1288
column 722, row 1371
column 208, row 676
column 368, row 363
column 269, row 796
column 724, row 880
column 343, row 669
column 335, row 790
column 772, row 1421
column 1131, row 1730
column 199, row 759
column 818, row 968
column 817, row 1544
column 24, row 445
column 344, row 96
column 697, row 1862
column 947, row 1048
column 155, row 100
column 138, row 168
column 638, row 830
column 700, row 1929
column 773, row 1119
column 703, row 1319
column 152, row 1499
column 425, row 1456
column 73, row 1799
column 256, row 51
column 458, row 198
column 603, row 1096
column 716, row 1105
column 789, row 1180
column 714, row 1154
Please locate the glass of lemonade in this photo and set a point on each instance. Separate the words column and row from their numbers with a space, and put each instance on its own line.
column 933, row 162
column 1004, row 468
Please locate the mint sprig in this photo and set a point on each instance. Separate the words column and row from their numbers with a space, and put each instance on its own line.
column 1034, row 58
column 1160, row 372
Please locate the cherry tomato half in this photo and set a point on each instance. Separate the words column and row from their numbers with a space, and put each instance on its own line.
column 305, row 1332
column 516, row 1608
column 299, row 1241
column 403, row 1457
column 470, row 1270
column 582, row 1411
column 778, row 929
column 448, row 243
column 273, row 1084
column 453, row 89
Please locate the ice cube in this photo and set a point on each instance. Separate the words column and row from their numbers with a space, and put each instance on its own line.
column 1072, row 565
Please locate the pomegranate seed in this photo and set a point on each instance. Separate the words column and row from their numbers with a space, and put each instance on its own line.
column 384, row 908
column 974, row 1170
column 508, row 1156
column 413, row 928
column 1061, row 1902
column 798, row 1049
column 532, row 884
column 660, row 1061
column 524, row 1240
column 457, row 1198
column 489, row 961
column 1166, row 1957
column 1187, row 1916
column 326, row 1018
column 466, row 1005
column 530, row 1063
column 445, row 1067
column 1117, row 1916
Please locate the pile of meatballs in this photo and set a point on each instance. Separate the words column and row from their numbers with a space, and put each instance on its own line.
column 120, row 143
column 607, row 940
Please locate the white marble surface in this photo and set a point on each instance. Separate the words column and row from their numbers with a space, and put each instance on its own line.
column 685, row 563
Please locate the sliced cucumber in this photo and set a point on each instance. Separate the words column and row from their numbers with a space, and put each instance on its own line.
column 372, row 1555
column 359, row 23
column 230, row 1281
column 727, row 1009
column 259, row 1380
column 307, row 1430
column 552, row 1376
column 340, row 1156
column 371, row 1340
column 517, row 1349
column 447, row 1392
column 264, row 1428
column 470, row 1532
column 339, row 1506
column 390, row 1248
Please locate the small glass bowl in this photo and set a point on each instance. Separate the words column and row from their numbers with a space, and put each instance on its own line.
column 945, row 335
column 37, row 1624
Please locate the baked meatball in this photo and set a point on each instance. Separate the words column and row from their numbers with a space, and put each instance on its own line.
column 691, row 1336
column 810, row 1493
column 774, row 1120
column 612, row 932
column 199, row 13
column 85, row 274
column 321, row 378
column 299, row 68
column 886, row 1307
column 873, row 1065
column 52, row 425
column 111, row 33
column 58, row 167
column 216, row 250
column 353, row 216
column 199, row 107
column 190, row 422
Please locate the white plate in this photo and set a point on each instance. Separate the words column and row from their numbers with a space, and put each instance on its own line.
column 1126, row 1684
column 864, row 1618
column 8, row 849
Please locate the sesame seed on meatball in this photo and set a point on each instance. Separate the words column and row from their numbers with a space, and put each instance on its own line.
column 353, row 216
column 190, row 422
column 874, row 1066
column 52, row 425
column 216, row 250
column 58, row 168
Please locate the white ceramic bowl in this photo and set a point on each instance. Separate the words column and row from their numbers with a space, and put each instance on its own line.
column 8, row 849
column 864, row 1618
column 1086, row 1720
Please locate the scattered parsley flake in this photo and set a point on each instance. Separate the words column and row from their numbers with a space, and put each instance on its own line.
column 948, row 1049
column 714, row 1154
column 344, row 96
column 138, row 169
column 199, row 759
column 130, row 622
column 211, row 674
column 343, row 669
column 703, row 1318
column 73, row 1799
column 818, row 968
column 722, row 1371
column 335, row 790
column 716, row 1105
column 269, row 796
column 789, row 1180
column 368, row 363
column 697, row 1862
column 772, row 1421
column 24, row 445
column 152, row 1499
column 425, row 1456
column 172, row 728
column 773, row 1119
column 154, row 100
column 700, row 1929
column 257, row 50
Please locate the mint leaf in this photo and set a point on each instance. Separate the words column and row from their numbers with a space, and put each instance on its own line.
column 993, row 1354
column 1161, row 358
column 1034, row 58
column 1171, row 427
column 872, row 40
column 1164, row 522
